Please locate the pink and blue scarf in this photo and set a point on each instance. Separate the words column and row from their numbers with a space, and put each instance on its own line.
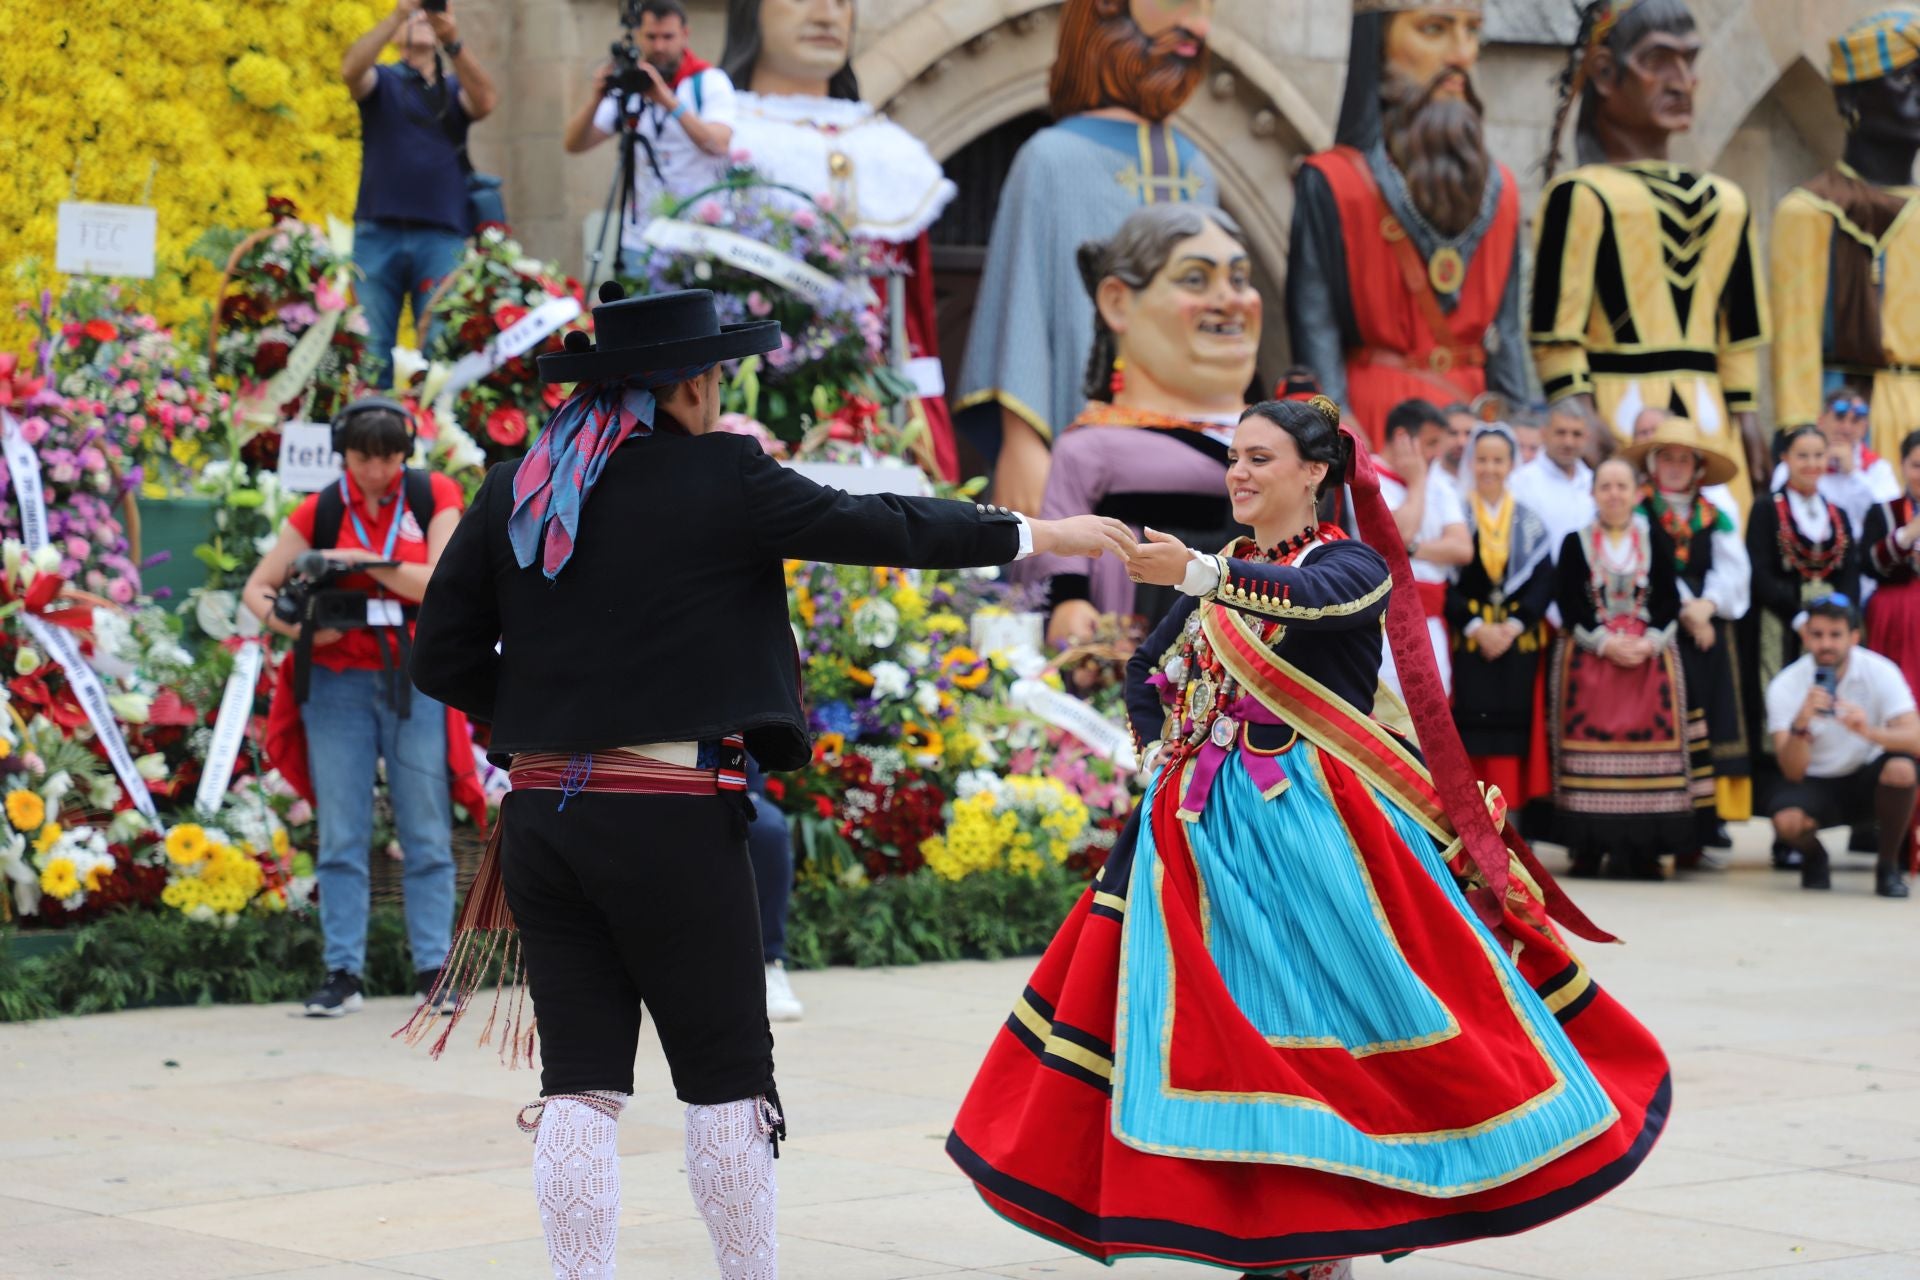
column 550, row 489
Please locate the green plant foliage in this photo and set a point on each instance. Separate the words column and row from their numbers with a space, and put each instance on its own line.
column 907, row 919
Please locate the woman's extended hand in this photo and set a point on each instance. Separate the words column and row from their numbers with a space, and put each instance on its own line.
column 1161, row 560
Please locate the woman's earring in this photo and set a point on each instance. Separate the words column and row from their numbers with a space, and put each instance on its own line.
column 1118, row 382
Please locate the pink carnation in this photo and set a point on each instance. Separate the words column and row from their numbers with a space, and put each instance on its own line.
column 120, row 591
column 33, row 430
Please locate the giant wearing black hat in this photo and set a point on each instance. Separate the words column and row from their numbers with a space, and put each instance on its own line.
column 614, row 605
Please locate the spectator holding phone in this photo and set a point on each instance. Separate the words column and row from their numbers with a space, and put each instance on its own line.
column 411, row 222
column 1846, row 735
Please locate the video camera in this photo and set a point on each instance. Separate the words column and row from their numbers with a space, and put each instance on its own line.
column 627, row 77
column 306, row 600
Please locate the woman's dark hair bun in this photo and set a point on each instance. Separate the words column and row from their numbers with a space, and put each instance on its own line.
column 1315, row 427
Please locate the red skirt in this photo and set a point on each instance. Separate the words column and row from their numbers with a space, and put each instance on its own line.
column 1893, row 628
column 1036, row 1132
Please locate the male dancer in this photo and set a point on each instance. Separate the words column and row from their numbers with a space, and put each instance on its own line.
column 626, row 650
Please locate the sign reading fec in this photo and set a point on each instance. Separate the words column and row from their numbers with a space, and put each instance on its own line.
column 106, row 240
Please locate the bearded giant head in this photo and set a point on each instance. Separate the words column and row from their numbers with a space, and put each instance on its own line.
column 1410, row 88
column 1146, row 56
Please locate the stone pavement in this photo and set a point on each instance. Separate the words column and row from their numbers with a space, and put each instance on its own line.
column 210, row 1144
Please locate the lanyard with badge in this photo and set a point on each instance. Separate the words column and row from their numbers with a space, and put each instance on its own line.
column 381, row 611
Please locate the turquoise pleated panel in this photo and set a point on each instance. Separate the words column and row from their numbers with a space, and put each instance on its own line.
column 1296, row 938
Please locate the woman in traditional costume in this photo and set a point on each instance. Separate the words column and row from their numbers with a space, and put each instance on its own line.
column 1892, row 540
column 1619, row 699
column 1715, row 579
column 1176, row 337
column 1802, row 548
column 1314, row 1006
column 1496, row 614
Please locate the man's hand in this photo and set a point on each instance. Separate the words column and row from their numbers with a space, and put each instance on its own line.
column 327, row 636
column 1853, row 718
column 1091, row 536
column 1161, row 560
column 351, row 555
column 657, row 91
column 1495, row 638
column 1818, row 703
column 445, row 29
column 1403, row 455
column 602, row 77
column 404, row 9
column 1841, row 459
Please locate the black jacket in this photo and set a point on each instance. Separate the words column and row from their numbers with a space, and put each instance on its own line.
column 670, row 623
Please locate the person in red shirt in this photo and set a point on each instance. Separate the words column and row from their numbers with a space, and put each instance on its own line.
column 359, row 708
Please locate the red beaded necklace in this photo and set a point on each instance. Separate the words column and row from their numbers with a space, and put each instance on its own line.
column 1808, row 560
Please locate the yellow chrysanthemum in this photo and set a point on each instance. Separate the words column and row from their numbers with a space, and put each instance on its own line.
column 6, row 748
column 281, row 845
column 57, row 879
column 98, row 874
column 188, row 843
column 49, row 837
column 946, row 623
column 25, row 809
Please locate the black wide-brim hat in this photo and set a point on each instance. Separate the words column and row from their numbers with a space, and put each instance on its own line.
column 655, row 332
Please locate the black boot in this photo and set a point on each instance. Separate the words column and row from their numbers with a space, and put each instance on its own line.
column 1719, row 837
column 1893, row 814
column 1888, row 882
column 1786, row 857
column 1814, row 872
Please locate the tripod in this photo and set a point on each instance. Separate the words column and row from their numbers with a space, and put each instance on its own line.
column 619, row 203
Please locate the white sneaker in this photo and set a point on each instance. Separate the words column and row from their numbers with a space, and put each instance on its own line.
column 782, row 1005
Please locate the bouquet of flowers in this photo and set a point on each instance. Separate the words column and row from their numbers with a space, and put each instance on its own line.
column 215, row 876
column 285, row 304
column 1018, row 823
column 61, row 862
column 495, row 288
column 155, row 399
column 831, row 370
column 85, row 478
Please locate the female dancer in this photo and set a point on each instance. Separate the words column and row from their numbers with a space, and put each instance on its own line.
column 1496, row 611
column 1313, row 1007
column 1620, row 777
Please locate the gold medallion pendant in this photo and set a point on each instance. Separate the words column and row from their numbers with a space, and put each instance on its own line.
column 1446, row 269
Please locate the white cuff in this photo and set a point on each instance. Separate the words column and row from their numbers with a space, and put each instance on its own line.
column 1474, row 625
column 1026, row 537
column 1901, row 540
column 1203, row 575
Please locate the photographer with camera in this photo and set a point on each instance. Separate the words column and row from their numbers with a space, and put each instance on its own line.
column 1846, row 733
column 343, row 580
column 677, row 109
column 413, row 216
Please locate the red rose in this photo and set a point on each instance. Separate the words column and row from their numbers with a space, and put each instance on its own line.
column 101, row 331
column 507, row 426
column 505, row 317
column 270, row 358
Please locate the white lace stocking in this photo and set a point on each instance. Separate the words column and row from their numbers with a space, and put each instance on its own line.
column 730, row 1171
column 576, row 1179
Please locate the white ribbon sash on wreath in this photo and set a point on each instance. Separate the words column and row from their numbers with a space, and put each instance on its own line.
column 23, row 464
column 92, row 695
column 517, row 339
column 1064, row 711
column 791, row 274
column 230, row 729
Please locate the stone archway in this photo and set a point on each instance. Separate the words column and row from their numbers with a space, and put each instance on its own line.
column 950, row 74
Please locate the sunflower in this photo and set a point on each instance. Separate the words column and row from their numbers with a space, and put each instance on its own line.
column 925, row 746
column 829, row 747
column 25, row 809
column 967, row 669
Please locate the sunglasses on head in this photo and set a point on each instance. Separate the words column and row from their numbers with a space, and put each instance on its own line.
column 1838, row 600
column 1848, row 407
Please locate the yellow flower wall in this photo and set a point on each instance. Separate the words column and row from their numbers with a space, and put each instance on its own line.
column 232, row 100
